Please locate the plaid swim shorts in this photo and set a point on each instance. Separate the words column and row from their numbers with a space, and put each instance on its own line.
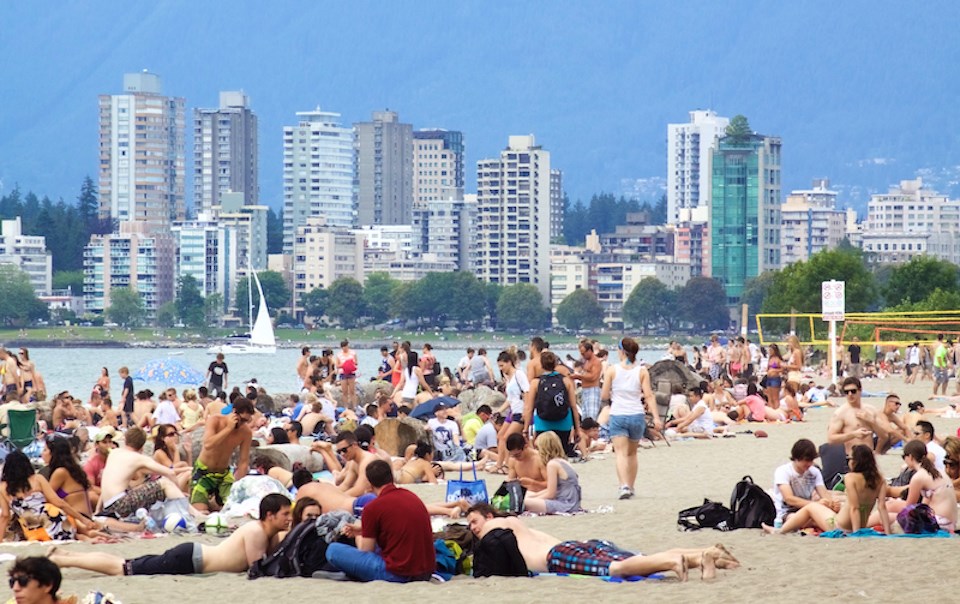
column 585, row 557
column 142, row 496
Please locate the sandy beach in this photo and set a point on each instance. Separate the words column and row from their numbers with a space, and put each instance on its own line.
column 671, row 478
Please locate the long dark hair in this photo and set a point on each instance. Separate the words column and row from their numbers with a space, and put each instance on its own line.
column 17, row 471
column 918, row 451
column 302, row 504
column 865, row 463
column 61, row 456
column 159, row 443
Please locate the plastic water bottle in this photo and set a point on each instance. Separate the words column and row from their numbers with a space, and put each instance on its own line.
column 150, row 524
column 778, row 523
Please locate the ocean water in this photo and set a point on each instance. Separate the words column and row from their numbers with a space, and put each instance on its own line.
column 77, row 369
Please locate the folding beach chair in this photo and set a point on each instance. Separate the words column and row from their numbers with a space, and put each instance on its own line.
column 23, row 428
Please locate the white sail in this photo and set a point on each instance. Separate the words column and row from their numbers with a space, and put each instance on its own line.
column 262, row 332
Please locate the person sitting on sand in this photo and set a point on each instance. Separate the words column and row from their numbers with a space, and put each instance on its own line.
column 166, row 452
column 394, row 538
column 589, row 438
column 562, row 493
column 546, row 553
column 524, row 464
column 890, row 428
column 800, row 483
column 927, row 486
column 865, row 487
column 419, row 468
column 698, row 423
column 852, row 423
column 951, row 462
column 235, row 554
column 36, row 580
column 754, row 409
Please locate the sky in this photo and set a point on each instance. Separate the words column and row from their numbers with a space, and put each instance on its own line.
column 860, row 92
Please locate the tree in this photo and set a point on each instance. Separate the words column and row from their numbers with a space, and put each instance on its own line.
column 738, row 128
column 345, row 301
column 491, row 296
column 580, row 310
column 274, row 232
column 72, row 280
column 916, row 280
column 378, row 295
column 274, row 288
column 190, row 307
column 87, row 204
column 314, row 302
column 167, row 314
column 213, row 309
column 702, row 303
column 467, row 303
column 649, row 302
column 126, row 307
column 797, row 286
column 521, row 307
column 19, row 304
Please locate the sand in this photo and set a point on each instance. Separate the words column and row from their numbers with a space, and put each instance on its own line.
column 671, row 478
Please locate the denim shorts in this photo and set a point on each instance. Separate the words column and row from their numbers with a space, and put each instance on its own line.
column 631, row 426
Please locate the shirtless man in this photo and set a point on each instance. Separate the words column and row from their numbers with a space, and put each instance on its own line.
column 121, row 494
column 545, row 553
column 303, row 367
column 852, row 424
column 534, row 368
column 11, row 374
column 223, row 434
column 589, row 376
column 889, row 426
column 524, row 464
column 716, row 356
column 354, row 477
column 235, row 554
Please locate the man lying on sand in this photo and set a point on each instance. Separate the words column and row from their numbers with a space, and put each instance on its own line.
column 545, row 553
column 235, row 555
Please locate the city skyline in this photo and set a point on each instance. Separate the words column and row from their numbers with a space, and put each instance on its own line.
column 597, row 85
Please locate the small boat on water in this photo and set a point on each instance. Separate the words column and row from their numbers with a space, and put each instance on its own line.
column 261, row 339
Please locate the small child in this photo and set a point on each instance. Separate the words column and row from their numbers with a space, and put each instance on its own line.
column 110, row 417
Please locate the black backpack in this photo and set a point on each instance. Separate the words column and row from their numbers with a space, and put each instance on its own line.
column 498, row 555
column 551, row 401
column 709, row 515
column 300, row 554
column 751, row 506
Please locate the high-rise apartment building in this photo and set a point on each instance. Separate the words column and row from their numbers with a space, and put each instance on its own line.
column 557, row 208
column 206, row 249
column 689, row 153
column 28, row 253
column 445, row 229
column 745, row 210
column 810, row 222
column 142, row 153
column 225, row 152
column 384, row 170
column 250, row 224
column 513, row 216
column 318, row 164
column 322, row 253
column 437, row 165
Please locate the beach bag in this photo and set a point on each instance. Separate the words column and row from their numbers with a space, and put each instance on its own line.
column 709, row 515
column 473, row 491
column 509, row 497
column 551, row 400
column 301, row 553
column 918, row 519
column 498, row 555
column 751, row 506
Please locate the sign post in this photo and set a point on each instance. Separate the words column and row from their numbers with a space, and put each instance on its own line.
column 833, row 303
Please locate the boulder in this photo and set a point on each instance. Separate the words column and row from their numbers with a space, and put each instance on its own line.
column 366, row 392
column 664, row 375
column 287, row 455
column 395, row 435
column 481, row 395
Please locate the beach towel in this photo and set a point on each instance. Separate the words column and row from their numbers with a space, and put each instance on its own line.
column 869, row 532
column 631, row 579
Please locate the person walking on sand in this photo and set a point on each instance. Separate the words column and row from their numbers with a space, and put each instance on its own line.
column 235, row 554
column 627, row 386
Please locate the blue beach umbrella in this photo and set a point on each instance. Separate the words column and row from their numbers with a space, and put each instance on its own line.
column 427, row 410
column 169, row 372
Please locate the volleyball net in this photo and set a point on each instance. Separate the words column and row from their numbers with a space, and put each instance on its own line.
column 879, row 328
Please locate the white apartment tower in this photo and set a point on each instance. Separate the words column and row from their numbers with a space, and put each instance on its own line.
column 384, row 170
column 446, row 230
column 513, row 216
column 142, row 153
column 28, row 253
column 437, row 166
column 556, row 205
column 225, row 152
column 810, row 222
column 318, row 158
column 206, row 249
column 689, row 156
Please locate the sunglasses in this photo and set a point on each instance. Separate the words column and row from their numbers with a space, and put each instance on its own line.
column 849, row 391
column 951, row 462
column 344, row 449
column 21, row 580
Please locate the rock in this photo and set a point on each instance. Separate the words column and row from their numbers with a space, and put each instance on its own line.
column 481, row 395
column 287, row 455
column 664, row 375
column 395, row 435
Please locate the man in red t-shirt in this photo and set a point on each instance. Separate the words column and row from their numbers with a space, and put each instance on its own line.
column 96, row 463
column 398, row 524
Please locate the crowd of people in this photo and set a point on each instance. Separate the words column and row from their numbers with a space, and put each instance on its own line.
column 96, row 482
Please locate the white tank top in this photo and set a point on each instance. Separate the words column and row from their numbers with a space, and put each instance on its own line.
column 626, row 397
column 410, row 385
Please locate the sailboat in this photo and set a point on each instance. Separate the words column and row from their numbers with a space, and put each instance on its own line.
column 260, row 340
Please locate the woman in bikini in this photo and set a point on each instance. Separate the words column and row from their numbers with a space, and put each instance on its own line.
column 27, row 369
column 927, row 486
column 774, row 376
column 166, row 452
column 865, row 487
column 103, row 382
column 794, row 362
column 419, row 468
